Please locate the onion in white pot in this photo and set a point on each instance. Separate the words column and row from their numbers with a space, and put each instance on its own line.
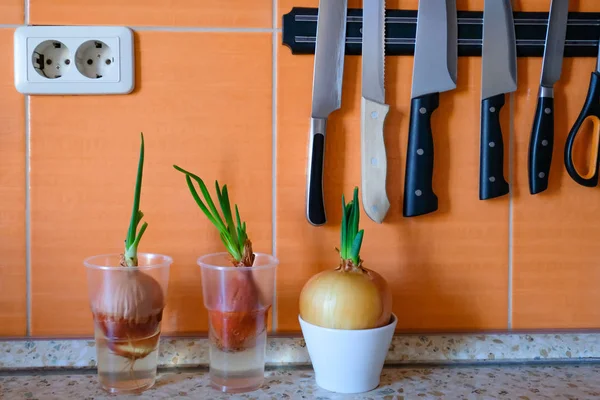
column 350, row 296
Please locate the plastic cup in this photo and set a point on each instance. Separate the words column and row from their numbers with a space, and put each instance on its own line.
column 127, row 305
column 238, row 300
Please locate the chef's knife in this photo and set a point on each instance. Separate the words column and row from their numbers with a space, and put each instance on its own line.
column 326, row 97
column 498, row 77
column 542, row 135
column 373, row 111
column 434, row 71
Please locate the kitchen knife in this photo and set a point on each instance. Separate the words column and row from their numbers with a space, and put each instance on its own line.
column 326, row 97
column 434, row 71
column 373, row 112
column 498, row 77
column 541, row 142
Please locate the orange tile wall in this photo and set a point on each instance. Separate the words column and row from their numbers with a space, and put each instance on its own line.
column 217, row 93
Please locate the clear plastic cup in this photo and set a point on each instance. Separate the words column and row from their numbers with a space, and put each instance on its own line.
column 127, row 305
column 238, row 300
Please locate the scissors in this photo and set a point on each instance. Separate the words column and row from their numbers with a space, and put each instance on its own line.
column 590, row 112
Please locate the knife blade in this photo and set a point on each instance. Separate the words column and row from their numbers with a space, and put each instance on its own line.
column 541, row 142
column 326, row 97
column 498, row 77
column 434, row 71
column 373, row 112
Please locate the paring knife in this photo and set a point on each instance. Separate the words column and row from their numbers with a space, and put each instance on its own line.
column 434, row 71
column 498, row 77
column 373, row 111
column 542, row 135
column 326, row 97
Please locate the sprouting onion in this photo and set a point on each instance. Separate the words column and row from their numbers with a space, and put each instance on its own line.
column 238, row 315
column 350, row 296
column 129, row 304
column 233, row 234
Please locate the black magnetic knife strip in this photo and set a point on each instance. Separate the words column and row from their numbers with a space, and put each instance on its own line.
column 583, row 30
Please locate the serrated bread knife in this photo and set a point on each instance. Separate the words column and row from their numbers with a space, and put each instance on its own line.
column 434, row 71
column 373, row 112
column 326, row 97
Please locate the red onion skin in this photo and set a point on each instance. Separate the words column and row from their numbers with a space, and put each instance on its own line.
column 239, row 317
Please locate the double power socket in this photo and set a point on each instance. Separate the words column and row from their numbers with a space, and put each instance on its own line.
column 74, row 60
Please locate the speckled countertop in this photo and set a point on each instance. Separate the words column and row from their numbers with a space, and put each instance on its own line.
column 564, row 381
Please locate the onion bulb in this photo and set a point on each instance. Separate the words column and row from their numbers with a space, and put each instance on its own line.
column 346, row 298
column 128, row 310
column 350, row 296
column 236, row 329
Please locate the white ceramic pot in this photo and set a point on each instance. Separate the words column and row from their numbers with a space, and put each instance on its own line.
column 348, row 361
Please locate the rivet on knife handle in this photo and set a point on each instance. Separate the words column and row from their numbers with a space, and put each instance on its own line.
column 419, row 197
column 315, row 203
column 491, row 174
column 541, row 144
column 374, row 160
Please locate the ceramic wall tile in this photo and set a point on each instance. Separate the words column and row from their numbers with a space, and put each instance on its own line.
column 11, row 12
column 12, row 198
column 210, row 111
column 197, row 13
column 205, row 114
column 555, row 258
column 448, row 270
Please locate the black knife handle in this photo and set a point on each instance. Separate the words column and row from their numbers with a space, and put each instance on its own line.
column 419, row 198
column 491, row 150
column 541, row 144
column 315, row 203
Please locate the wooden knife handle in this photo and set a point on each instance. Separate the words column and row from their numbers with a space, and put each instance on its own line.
column 374, row 160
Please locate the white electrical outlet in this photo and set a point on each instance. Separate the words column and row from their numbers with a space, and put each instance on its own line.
column 74, row 60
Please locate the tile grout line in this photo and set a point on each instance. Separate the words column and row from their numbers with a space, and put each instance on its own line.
column 511, row 159
column 204, row 29
column 274, row 32
column 27, row 201
column 175, row 28
column 27, row 217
